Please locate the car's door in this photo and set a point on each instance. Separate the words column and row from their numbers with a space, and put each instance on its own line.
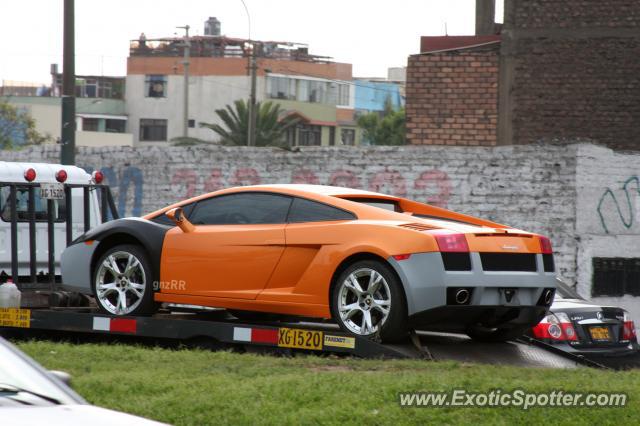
column 315, row 232
column 236, row 245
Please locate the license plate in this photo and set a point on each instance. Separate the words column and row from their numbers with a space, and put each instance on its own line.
column 301, row 339
column 13, row 317
column 600, row 333
column 52, row 191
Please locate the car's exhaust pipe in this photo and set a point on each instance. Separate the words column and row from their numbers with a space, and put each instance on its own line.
column 458, row 296
column 462, row 296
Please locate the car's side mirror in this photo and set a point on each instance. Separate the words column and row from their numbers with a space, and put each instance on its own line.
column 177, row 216
column 63, row 376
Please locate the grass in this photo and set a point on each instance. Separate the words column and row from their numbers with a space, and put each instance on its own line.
column 201, row 387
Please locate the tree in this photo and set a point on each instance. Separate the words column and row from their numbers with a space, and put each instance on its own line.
column 386, row 129
column 17, row 127
column 270, row 129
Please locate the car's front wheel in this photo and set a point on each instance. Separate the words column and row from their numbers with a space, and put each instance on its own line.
column 123, row 283
column 367, row 300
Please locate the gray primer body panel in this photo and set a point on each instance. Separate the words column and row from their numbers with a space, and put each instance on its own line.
column 75, row 264
column 425, row 282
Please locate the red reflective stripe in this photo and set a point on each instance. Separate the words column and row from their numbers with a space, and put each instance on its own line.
column 262, row 335
column 122, row 325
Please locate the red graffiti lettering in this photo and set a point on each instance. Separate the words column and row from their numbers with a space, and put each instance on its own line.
column 245, row 176
column 344, row 178
column 391, row 179
column 304, row 176
column 439, row 182
column 186, row 177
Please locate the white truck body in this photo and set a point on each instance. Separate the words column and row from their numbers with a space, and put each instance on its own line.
column 11, row 172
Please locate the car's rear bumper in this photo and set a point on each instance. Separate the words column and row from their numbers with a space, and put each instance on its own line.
column 461, row 318
column 427, row 283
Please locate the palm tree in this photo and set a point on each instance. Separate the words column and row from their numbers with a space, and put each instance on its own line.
column 270, row 129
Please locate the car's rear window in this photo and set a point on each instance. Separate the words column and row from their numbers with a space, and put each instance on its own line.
column 390, row 205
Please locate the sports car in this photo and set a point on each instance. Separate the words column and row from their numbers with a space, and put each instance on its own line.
column 378, row 265
column 581, row 327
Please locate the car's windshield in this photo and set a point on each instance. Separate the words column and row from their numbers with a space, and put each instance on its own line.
column 18, row 372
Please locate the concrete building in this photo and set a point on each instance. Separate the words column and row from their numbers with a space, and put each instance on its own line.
column 317, row 90
column 99, row 122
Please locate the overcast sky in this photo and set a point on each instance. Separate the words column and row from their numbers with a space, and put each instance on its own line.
column 371, row 34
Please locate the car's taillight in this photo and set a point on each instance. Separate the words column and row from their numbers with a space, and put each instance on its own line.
column 452, row 243
column 628, row 328
column 545, row 245
column 555, row 327
column 402, row 256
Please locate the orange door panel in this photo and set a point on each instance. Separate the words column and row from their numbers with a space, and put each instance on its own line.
column 233, row 261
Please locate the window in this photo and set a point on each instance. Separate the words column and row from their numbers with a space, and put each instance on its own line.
column 153, row 130
column 343, row 94
column 192, row 123
column 348, row 136
column 115, row 126
column 282, row 88
column 310, row 211
column 90, row 124
column 390, row 205
column 105, row 89
column 155, row 86
column 317, row 91
column 615, row 276
column 310, row 135
column 22, row 206
column 244, row 208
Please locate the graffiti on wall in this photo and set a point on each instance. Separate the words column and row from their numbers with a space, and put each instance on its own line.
column 434, row 183
column 619, row 208
column 128, row 183
column 129, row 178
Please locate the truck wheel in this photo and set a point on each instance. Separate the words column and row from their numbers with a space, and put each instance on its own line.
column 367, row 300
column 122, row 282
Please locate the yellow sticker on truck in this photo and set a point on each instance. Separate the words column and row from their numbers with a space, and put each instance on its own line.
column 340, row 341
column 13, row 317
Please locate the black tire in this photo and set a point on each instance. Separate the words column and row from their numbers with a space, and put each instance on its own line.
column 483, row 334
column 394, row 326
column 142, row 277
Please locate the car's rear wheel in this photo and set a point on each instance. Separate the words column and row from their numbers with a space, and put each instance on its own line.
column 367, row 300
column 123, row 283
column 485, row 334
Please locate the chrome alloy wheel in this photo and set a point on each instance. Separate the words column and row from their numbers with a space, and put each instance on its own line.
column 120, row 283
column 364, row 301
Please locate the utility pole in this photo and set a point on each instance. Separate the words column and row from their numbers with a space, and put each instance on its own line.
column 185, row 64
column 68, row 134
column 253, row 113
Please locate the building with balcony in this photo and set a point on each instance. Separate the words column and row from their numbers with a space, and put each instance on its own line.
column 317, row 90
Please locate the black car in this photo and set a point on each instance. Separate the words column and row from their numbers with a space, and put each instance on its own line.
column 579, row 326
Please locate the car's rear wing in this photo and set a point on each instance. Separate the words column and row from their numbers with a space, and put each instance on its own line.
column 107, row 212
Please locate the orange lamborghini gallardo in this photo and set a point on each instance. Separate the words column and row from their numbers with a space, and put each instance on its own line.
column 376, row 264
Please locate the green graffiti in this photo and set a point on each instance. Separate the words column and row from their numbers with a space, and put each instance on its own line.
column 627, row 222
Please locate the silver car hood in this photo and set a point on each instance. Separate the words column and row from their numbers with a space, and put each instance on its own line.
column 69, row 415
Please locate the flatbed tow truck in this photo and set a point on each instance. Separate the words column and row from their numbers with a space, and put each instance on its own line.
column 48, row 312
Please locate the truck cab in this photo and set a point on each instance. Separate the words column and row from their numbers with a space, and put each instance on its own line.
column 65, row 202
